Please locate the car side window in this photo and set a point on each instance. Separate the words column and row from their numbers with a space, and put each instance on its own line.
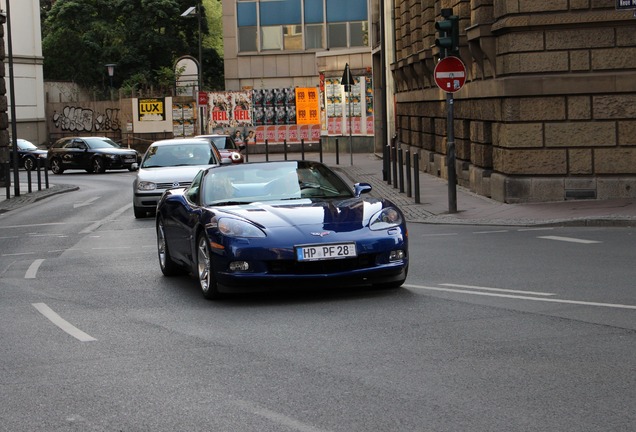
column 192, row 194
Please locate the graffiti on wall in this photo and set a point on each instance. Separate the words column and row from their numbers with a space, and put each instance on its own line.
column 78, row 119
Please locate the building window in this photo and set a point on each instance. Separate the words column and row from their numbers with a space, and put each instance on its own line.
column 294, row 25
column 337, row 35
column 271, row 38
column 247, row 39
column 292, row 37
column 359, row 34
column 313, row 36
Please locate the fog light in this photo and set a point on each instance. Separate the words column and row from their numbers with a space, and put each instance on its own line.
column 239, row 266
column 396, row 255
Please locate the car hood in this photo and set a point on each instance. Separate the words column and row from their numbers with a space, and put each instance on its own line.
column 35, row 151
column 164, row 174
column 116, row 151
column 335, row 215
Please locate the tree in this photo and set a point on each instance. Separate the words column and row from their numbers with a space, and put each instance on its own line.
column 142, row 37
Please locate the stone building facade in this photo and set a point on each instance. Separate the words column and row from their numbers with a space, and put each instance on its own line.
column 548, row 111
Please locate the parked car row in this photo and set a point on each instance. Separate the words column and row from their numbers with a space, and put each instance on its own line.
column 29, row 155
column 92, row 154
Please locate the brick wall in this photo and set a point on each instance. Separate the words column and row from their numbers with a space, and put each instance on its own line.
column 548, row 111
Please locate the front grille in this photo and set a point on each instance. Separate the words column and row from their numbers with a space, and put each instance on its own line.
column 169, row 185
column 320, row 267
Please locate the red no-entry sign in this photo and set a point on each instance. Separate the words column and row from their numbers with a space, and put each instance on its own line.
column 450, row 74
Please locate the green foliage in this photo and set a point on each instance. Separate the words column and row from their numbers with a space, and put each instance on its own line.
column 144, row 38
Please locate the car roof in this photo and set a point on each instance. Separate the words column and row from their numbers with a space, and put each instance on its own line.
column 179, row 141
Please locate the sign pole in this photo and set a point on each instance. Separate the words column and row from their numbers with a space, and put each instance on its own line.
column 350, row 138
column 450, row 154
column 450, row 76
column 347, row 82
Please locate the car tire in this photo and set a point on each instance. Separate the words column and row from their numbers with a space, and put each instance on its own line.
column 56, row 166
column 167, row 265
column 139, row 212
column 204, row 271
column 98, row 166
column 29, row 163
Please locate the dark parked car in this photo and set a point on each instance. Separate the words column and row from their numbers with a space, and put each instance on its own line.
column 28, row 155
column 266, row 225
column 93, row 154
column 226, row 146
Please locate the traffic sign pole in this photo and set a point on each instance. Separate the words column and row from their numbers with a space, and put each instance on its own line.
column 450, row 154
column 450, row 76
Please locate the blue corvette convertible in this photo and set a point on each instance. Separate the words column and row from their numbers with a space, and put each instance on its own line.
column 267, row 225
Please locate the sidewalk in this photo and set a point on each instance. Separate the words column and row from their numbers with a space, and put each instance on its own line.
column 433, row 208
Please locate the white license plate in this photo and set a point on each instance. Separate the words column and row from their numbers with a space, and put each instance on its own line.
column 325, row 251
column 129, row 160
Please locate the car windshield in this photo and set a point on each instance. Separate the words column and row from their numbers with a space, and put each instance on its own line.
column 26, row 145
column 185, row 154
column 97, row 143
column 223, row 142
column 271, row 181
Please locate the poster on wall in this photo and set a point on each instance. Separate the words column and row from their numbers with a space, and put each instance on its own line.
column 350, row 112
column 230, row 110
column 183, row 119
column 151, row 109
column 307, row 106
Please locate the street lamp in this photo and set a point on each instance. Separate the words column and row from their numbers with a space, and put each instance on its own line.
column 111, row 71
column 196, row 10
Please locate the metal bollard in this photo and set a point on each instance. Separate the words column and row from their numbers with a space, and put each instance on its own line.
column 267, row 150
column 302, row 148
column 385, row 164
column 29, row 186
column 394, row 164
column 320, row 148
column 401, row 168
column 408, row 173
column 416, row 177
column 285, row 147
column 337, row 153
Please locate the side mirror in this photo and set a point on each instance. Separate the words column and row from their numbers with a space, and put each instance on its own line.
column 134, row 167
column 361, row 188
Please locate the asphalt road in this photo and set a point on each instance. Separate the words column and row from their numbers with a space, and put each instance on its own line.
column 497, row 329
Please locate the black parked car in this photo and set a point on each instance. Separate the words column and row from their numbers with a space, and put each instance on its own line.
column 93, row 154
column 28, row 155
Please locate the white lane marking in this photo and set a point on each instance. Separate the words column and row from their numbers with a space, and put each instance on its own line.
column 33, row 225
column 542, row 299
column 569, row 239
column 111, row 216
column 277, row 417
column 497, row 289
column 62, row 323
column 87, row 202
column 18, row 254
column 33, row 269
column 440, row 235
column 490, row 232
column 536, row 229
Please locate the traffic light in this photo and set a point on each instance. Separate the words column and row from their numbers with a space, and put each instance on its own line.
column 448, row 35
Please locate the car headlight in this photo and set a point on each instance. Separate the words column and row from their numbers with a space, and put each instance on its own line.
column 146, row 186
column 113, row 157
column 386, row 218
column 238, row 228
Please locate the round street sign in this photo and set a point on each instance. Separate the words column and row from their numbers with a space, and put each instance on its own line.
column 450, row 74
